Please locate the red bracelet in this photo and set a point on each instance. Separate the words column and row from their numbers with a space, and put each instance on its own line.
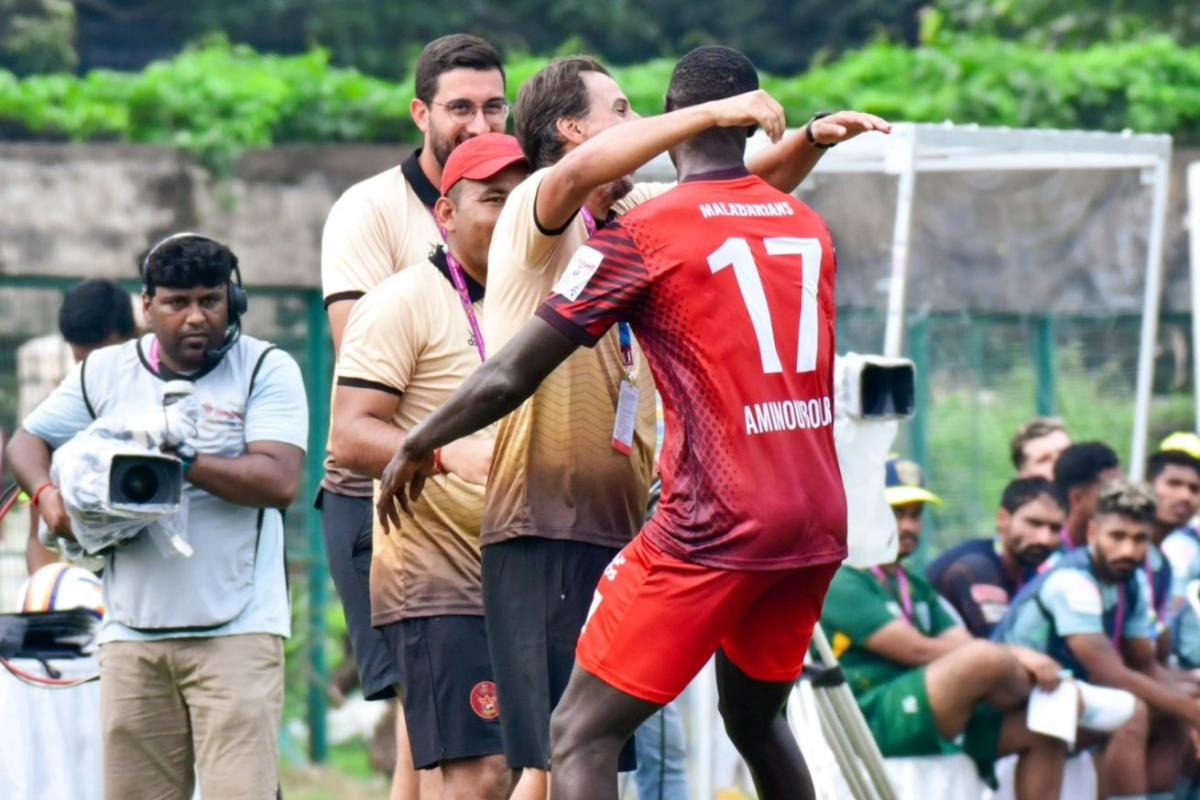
column 437, row 461
column 37, row 495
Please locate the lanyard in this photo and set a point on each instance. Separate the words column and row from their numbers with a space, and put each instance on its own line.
column 458, row 277
column 1118, row 631
column 903, row 589
column 623, row 330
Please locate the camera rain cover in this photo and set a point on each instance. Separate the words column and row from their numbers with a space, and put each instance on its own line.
column 114, row 487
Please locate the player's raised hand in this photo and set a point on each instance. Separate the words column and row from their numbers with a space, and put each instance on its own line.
column 844, row 125
column 402, row 481
column 751, row 108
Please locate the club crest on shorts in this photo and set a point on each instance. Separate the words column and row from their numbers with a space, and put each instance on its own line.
column 483, row 700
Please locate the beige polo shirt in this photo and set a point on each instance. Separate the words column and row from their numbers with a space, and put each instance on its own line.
column 376, row 228
column 555, row 473
column 410, row 337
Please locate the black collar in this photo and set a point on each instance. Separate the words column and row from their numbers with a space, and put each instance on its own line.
column 420, row 183
column 475, row 289
column 727, row 174
column 165, row 373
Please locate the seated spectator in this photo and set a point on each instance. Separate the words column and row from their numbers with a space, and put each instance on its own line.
column 1078, row 473
column 1180, row 542
column 980, row 576
column 924, row 685
column 1036, row 446
column 1091, row 613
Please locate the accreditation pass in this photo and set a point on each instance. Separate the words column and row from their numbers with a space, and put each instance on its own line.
column 627, row 407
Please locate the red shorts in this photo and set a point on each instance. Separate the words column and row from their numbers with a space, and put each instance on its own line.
column 656, row 620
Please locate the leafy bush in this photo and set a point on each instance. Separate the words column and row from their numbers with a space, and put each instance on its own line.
column 218, row 99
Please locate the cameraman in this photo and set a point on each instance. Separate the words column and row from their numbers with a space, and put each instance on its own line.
column 191, row 649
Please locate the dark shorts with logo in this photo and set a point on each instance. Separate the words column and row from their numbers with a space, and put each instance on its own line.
column 450, row 704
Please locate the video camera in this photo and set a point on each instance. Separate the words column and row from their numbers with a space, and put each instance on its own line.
column 873, row 393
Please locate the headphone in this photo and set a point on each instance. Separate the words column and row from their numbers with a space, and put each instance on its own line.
column 235, row 291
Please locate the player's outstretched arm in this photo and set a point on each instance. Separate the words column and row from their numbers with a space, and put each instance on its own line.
column 621, row 149
column 786, row 164
column 501, row 384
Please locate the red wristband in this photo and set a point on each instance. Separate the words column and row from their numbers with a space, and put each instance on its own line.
column 437, row 461
column 37, row 495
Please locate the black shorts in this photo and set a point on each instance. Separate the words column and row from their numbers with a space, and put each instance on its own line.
column 346, row 529
column 536, row 596
column 450, row 705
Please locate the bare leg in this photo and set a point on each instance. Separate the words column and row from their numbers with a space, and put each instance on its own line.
column 1166, row 752
column 977, row 671
column 534, row 784
column 1123, row 764
column 753, row 716
column 587, row 731
column 1040, row 759
column 404, row 777
column 486, row 778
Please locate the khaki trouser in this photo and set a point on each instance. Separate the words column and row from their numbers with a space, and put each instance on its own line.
column 212, row 705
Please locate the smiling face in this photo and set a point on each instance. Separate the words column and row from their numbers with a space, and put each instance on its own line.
column 187, row 323
column 468, row 102
column 607, row 106
column 470, row 212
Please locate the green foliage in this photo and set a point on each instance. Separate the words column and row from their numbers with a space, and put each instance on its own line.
column 218, row 99
column 1074, row 23
column 37, row 35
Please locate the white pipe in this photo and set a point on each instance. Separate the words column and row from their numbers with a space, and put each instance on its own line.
column 1193, row 193
column 893, row 337
column 1149, row 337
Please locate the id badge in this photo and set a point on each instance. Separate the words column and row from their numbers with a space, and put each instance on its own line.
column 627, row 407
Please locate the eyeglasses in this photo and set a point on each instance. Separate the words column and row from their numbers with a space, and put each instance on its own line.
column 464, row 110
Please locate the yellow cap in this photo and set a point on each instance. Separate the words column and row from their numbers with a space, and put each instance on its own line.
column 1184, row 442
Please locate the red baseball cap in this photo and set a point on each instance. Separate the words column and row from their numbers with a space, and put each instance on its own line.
column 481, row 157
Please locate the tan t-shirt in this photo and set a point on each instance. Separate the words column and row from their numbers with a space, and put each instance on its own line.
column 555, row 473
column 409, row 336
column 376, row 228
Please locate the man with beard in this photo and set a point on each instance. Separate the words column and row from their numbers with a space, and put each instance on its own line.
column 377, row 228
column 1078, row 473
column 1091, row 612
column 567, row 493
column 980, row 576
column 924, row 685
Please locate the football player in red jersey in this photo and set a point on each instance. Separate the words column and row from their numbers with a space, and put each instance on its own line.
column 729, row 286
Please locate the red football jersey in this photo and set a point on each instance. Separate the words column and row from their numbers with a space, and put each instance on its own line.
column 729, row 286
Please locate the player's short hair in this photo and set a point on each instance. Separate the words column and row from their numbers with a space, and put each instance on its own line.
column 187, row 262
column 1035, row 428
column 712, row 73
column 555, row 92
column 1081, row 464
column 454, row 51
column 95, row 310
column 1170, row 458
column 1022, row 491
column 1132, row 500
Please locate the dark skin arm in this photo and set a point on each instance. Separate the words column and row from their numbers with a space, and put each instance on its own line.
column 29, row 459
column 266, row 476
column 501, row 384
column 1137, row 672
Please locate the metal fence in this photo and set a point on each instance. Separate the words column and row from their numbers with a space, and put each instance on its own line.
column 979, row 376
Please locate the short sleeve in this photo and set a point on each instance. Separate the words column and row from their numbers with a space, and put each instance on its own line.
column 955, row 584
column 855, row 608
column 605, row 280
column 356, row 248
column 61, row 415
column 277, row 410
column 519, row 238
column 382, row 342
column 1141, row 621
column 1073, row 599
column 943, row 616
column 1182, row 552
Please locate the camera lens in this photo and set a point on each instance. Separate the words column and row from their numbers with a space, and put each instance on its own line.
column 139, row 484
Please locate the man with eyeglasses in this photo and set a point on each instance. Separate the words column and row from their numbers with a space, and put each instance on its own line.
column 377, row 228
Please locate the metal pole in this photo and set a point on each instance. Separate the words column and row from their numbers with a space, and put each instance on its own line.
column 319, row 380
column 1193, row 223
column 1150, row 302
column 1043, row 356
column 901, row 234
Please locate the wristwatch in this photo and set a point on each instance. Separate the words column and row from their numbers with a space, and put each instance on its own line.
column 808, row 131
column 187, row 456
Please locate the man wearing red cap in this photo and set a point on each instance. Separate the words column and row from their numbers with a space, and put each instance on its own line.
column 409, row 343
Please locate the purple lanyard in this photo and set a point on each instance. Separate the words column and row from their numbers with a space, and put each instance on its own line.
column 903, row 589
column 624, row 333
column 1067, row 544
column 458, row 277
column 1120, row 626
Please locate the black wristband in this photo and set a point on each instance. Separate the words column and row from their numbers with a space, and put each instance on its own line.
column 808, row 131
